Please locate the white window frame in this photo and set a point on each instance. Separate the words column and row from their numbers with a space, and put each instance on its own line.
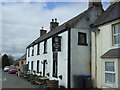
column 115, row 35
column 116, row 73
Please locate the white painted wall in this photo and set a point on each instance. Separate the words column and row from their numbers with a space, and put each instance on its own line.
column 62, row 58
column 41, row 57
column 104, row 43
column 80, row 54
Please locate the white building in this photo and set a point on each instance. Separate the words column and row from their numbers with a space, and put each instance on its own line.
column 106, row 49
column 64, row 51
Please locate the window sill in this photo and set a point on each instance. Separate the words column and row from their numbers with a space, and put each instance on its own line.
column 55, row 76
column 116, row 45
column 38, row 54
column 110, row 85
column 83, row 44
column 45, row 53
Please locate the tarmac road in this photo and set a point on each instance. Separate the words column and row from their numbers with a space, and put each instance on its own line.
column 13, row 81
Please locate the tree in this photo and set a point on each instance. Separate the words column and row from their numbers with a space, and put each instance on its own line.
column 11, row 59
column 5, row 61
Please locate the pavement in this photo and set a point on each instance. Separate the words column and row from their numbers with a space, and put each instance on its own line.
column 13, row 81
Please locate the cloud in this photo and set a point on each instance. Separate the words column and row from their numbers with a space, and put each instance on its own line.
column 45, row 0
column 0, row 27
column 21, row 22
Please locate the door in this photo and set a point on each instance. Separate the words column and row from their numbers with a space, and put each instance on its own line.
column 44, row 65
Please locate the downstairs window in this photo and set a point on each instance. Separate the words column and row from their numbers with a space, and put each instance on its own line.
column 110, row 75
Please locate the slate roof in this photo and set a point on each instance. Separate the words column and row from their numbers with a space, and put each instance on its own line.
column 112, row 13
column 65, row 26
column 112, row 53
column 23, row 57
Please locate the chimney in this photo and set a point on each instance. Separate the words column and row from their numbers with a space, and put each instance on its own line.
column 93, row 3
column 113, row 1
column 42, row 31
column 53, row 24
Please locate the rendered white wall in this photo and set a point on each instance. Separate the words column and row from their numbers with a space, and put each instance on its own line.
column 62, row 58
column 80, row 54
column 104, row 43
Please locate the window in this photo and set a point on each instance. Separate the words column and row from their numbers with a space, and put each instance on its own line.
column 28, row 66
column 32, row 50
column 28, row 52
column 21, row 62
column 116, row 34
column 38, row 48
column 82, row 38
column 31, row 65
column 55, row 66
column 37, row 66
column 110, row 74
column 45, row 46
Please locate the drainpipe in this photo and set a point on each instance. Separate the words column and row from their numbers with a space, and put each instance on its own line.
column 95, row 32
column 90, row 54
column 95, row 58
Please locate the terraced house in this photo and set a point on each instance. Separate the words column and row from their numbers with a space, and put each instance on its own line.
column 64, row 51
column 106, row 48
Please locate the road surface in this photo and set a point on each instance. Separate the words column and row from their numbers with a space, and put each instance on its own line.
column 13, row 81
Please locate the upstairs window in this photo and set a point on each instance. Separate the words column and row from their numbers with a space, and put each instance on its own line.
column 32, row 50
column 38, row 48
column 116, row 34
column 45, row 46
column 28, row 52
column 82, row 39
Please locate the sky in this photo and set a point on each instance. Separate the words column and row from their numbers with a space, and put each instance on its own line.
column 20, row 22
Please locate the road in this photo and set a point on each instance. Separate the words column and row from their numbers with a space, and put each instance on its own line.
column 13, row 81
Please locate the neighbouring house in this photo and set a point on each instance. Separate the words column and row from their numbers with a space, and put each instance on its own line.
column 0, row 60
column 64, row 51
column 106, row 48
column 21, row 61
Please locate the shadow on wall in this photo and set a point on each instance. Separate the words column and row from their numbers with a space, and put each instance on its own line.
column 0, row 62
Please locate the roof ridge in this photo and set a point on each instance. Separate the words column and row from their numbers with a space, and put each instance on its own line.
column 105, row 14
column 68, row 24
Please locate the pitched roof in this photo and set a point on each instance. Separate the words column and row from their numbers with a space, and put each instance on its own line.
column 112, row 53
column 112, row 13
column 61, row 28
column 23, row 57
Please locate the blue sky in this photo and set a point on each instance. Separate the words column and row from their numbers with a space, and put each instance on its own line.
column 21, row 21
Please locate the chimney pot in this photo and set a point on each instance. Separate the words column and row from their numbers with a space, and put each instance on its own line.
column 42, row 28
column 55, row 19
column 52, row 20
column 53, row 24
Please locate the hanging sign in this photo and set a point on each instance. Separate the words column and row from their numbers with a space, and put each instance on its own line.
column 56, row 43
